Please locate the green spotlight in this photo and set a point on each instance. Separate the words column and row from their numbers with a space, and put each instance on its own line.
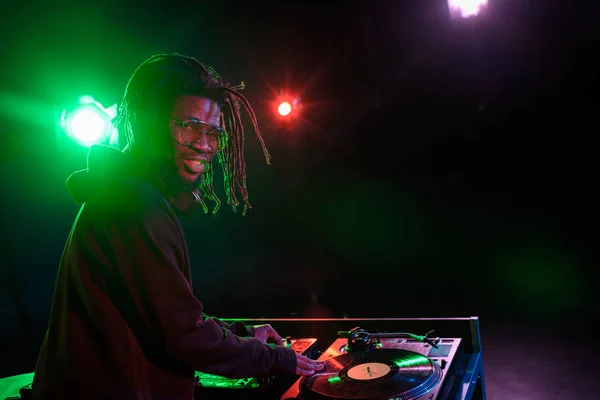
column 89, row 123
column 87, row 126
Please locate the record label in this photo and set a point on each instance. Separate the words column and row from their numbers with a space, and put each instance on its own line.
column 368, row 371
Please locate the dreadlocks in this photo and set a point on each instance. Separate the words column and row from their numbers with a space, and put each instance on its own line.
column 145, row 108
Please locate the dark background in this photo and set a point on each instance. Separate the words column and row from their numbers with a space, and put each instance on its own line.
column 440, row 168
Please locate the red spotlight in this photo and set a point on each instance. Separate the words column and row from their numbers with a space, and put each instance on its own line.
column 284, row 109
column 287, row 109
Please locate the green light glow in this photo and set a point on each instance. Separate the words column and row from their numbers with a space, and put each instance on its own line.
column 411, row 361
column 334, row 380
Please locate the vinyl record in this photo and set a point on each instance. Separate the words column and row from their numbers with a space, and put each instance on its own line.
column 376, row 374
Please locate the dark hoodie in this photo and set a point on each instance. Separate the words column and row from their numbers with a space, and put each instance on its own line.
column 124, row 322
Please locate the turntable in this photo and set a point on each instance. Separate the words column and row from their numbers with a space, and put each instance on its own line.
column 380, row 366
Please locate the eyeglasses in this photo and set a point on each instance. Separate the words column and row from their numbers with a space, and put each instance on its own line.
column 192, row 131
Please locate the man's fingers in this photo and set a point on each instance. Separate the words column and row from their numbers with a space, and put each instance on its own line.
column 305, row 366
column 274, row 335
column 266, row 332
column 314, row 364
column 308, row 369
column 304, row 372
column 278, row 340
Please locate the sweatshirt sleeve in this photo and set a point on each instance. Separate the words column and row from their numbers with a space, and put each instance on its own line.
column 237, row 327
column 148, row 252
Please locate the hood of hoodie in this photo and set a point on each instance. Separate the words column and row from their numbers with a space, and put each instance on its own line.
column 103, row 163
column 106, row 164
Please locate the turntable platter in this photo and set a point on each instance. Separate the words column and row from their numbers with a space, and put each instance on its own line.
column 376, row 374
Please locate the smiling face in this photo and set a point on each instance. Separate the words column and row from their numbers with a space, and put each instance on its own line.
column 191, row 159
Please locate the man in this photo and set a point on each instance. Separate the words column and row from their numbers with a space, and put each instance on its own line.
column 124, row 322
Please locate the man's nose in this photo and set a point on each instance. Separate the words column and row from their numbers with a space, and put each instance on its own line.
column 203, row 143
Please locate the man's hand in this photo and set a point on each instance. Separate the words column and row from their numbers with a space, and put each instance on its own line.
column 305, row 366
column 266, row 334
